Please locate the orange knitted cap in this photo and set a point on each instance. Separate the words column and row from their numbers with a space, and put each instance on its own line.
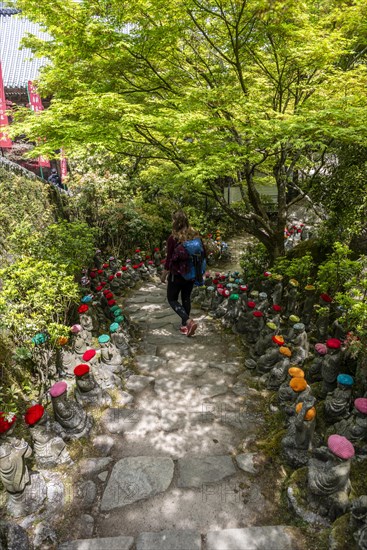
column 296, row 371
column 285, row 351
column 298, row 384
column 310, row 414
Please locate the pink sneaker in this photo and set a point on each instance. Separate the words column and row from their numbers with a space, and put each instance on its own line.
column 191, row 327
column 184, row 330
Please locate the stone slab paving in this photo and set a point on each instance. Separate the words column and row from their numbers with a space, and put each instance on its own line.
column 169, row 540
column 122, row 421
column 176, row 479
column 195, row 472
column 255, row 538
column 91, row 466
column 108, row 543
column 150, row 363
column 192, row 351
column 137, row 383
column 136, row 478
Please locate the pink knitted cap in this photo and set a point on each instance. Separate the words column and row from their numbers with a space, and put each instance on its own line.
column 76, row 328
column 58, row 389
column 321, row 349
column 340, row 446
column 361, row 404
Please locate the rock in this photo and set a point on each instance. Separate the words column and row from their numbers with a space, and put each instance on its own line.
column 211, row 390
column 86, row 526
column 137, row 300
column 127, row 421
column 158, row 299
column 169, row 540
column 169, row 386
column 160, row 311
column 187, row 368
column 162, row 322
column 233, row 349
column 13, row 537
column 32, row 498
column 226, row 368
column 124, row 398
column 245, row 462
column 150, row 363
column 172, row 420
column 194, row 472
column 237, row 419
column 136, row 478
column 103, row 476
column 277, row 537
column 103, row 443
column 138, row 383
column 110, row 543
column 147, row 348
column 55, row 493
column 240, row 389
column 28, row 521
column 92, row 466
column 86, row 494
column 44, row 534
column 201, row 417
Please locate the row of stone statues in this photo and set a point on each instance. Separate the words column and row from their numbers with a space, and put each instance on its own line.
column 291, row 337
column 87, row 375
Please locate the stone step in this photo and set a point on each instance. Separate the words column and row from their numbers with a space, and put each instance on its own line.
column 192, row 350
column 150, row 363
column 270, row 537
column 109, row 543
column 196, row 472
column 136, row 478
column 121, row 421
column 169, row 540
column 137, row 383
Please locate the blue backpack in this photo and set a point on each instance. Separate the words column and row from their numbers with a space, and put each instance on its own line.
column 188, row 260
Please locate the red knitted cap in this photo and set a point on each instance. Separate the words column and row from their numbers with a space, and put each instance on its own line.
column 81, row 369
column 333, row 343
column 89, row 354
column 5, row 425
column 33, row 414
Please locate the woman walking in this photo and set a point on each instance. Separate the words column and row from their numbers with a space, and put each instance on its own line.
column 177, row 284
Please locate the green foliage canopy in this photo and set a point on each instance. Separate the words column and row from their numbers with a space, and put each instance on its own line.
column 214, row 90
column 35, row 297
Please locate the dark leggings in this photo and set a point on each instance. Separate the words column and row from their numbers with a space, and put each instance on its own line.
column 177, row 284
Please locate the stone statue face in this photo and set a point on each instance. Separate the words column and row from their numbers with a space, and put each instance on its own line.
column 60, row 398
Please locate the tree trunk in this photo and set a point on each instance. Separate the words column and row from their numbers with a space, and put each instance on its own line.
column 277, row 248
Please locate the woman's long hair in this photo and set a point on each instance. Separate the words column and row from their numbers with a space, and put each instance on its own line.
column 181, row 229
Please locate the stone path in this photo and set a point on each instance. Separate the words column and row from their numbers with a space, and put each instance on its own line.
column 177, row 472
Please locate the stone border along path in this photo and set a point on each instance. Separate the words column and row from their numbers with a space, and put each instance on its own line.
column 172, row 480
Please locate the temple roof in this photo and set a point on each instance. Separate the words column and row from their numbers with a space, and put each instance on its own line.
column 5, row 10
column 18, row 65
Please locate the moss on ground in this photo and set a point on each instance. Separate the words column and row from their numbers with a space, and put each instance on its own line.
column 358, row 478
column 341, row 537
